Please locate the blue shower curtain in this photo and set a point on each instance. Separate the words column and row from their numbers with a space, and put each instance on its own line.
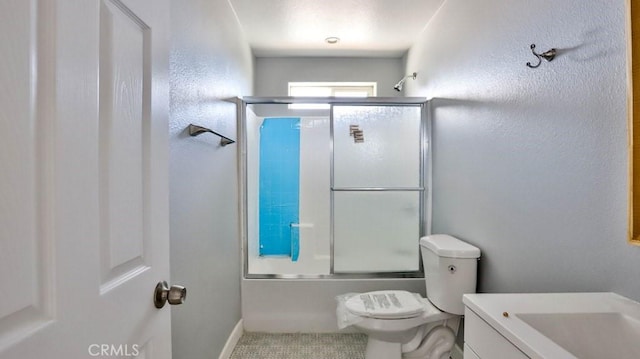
column 279, row 186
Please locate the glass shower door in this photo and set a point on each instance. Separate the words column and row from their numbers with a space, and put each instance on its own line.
column 376, row 188
column 287, row 195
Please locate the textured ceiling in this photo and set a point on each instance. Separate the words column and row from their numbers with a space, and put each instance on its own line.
column 383, row 28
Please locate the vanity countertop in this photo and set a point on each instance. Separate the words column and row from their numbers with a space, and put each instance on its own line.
column 563, row 325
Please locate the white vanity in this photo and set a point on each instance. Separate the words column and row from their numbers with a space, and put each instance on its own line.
column 551, row 326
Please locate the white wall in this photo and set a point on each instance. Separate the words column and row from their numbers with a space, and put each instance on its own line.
column 272, row 74
column 530, row 165
column 210, row 61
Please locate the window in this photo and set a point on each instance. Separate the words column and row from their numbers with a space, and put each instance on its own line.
column 327, row 89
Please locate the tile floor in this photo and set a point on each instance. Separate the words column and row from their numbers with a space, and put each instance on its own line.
column 300, row 346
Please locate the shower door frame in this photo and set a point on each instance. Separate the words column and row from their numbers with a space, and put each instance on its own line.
column 424, row 178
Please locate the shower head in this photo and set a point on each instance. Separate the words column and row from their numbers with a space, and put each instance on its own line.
column 398, row 86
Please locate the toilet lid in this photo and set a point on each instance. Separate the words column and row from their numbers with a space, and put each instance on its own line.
column 386, row 304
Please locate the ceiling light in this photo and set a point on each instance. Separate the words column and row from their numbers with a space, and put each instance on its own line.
column 332, row 40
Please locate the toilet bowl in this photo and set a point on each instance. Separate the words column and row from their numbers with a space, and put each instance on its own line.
column 403, row 324
column 395, row 322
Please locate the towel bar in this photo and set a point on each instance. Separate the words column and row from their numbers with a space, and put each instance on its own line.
column 195, row 130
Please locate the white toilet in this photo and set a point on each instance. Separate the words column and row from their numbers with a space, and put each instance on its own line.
column 400, row 324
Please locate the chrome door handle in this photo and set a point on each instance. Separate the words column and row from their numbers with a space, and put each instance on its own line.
column 175, row 295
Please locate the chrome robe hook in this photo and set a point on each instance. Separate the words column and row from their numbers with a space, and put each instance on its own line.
column 547, row 55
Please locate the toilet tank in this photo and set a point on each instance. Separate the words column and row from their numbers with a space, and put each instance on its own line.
column 450, row 270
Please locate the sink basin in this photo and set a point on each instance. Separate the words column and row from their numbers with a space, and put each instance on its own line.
column 563, row 325
column 590, row 335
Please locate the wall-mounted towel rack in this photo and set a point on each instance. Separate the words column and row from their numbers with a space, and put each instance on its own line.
column 195, row 130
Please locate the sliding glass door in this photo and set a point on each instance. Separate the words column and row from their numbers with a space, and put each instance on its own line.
column 340, row 193
column 376, row 188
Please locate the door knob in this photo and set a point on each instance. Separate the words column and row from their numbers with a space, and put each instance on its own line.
column 174, row 295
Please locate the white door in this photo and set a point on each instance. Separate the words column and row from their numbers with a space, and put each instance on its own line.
column 83, row 178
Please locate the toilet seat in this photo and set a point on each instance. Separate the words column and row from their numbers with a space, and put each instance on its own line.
column 386, row 304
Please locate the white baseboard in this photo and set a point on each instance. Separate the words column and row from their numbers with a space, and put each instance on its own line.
column 233, row 340
column 456, row 352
